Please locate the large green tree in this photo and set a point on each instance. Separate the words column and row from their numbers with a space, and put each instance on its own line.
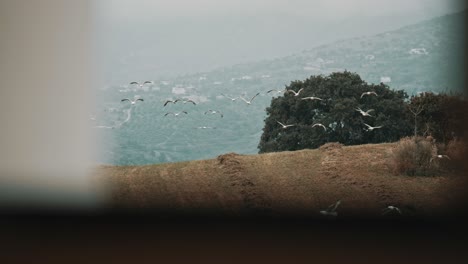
column 341, row 94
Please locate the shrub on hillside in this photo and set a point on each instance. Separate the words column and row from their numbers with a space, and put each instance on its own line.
column 457, row 150
column 413, row 156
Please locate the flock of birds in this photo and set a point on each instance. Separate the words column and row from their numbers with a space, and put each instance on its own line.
column 312, row 98
column 248, row 101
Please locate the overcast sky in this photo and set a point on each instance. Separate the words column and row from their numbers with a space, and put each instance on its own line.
column 138, row 9
column 173, row 37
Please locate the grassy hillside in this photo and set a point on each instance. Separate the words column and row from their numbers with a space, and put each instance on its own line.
column 299, row 183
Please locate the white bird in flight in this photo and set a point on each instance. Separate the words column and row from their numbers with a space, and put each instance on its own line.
column 364, row 113
column 205, row 127
column 177, row 100
column 132, row 101
column 214, row 112
column 232, row 98
column 311, row 98
column 368, row 93
column 283, row 125
column 251, row 99
column 186, row 101
column 170, row 101
column 142, row 84
column 276, row 91
column 439, row 157
column 295, row 93
column 389, row 209
column 370, row 128
column 331, row 210
column 176, row 114
column 318, row 124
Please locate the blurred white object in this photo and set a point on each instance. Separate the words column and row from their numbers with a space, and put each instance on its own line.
column 331, row 210
column 389, row 209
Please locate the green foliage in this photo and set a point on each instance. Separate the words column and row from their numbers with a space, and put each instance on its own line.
column 442, row 115
column 341, row 93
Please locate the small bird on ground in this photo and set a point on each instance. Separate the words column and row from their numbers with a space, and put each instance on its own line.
column 318, row 124
column 214, row 112
column 176, row 114
column 131, row 101
column 391, row 208
column 331, row 210
column 283, row 125
column 368, row 93
column 311, row 98
column 294, row 92
column 364, row 113
column 370, row 128
column 251, row 99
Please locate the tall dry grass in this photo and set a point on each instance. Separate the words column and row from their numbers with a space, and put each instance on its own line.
column 414, row 156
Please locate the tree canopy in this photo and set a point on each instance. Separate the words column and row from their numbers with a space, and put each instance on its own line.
column 341, row 93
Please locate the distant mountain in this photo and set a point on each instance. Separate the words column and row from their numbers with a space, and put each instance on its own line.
column 427, row 56
column 423, row 57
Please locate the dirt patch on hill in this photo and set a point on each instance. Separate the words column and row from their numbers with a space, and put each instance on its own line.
column 234, row 170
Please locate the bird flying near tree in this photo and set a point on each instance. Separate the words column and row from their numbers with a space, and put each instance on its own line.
column 285, row 126
column 276, row 91
column 318, row 124
column 294, row 92
column 311, row 98
column 439, row 157
column 251, row 99
column 371, row 128
column 364, row 113
column 368, row 93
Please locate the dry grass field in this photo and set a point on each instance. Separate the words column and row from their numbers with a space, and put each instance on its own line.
column 299, row 183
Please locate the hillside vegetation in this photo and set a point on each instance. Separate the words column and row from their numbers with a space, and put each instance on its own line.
column 299, row 183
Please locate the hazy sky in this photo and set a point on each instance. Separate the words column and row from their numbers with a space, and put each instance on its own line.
column 139, row 9
column 150, row 39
